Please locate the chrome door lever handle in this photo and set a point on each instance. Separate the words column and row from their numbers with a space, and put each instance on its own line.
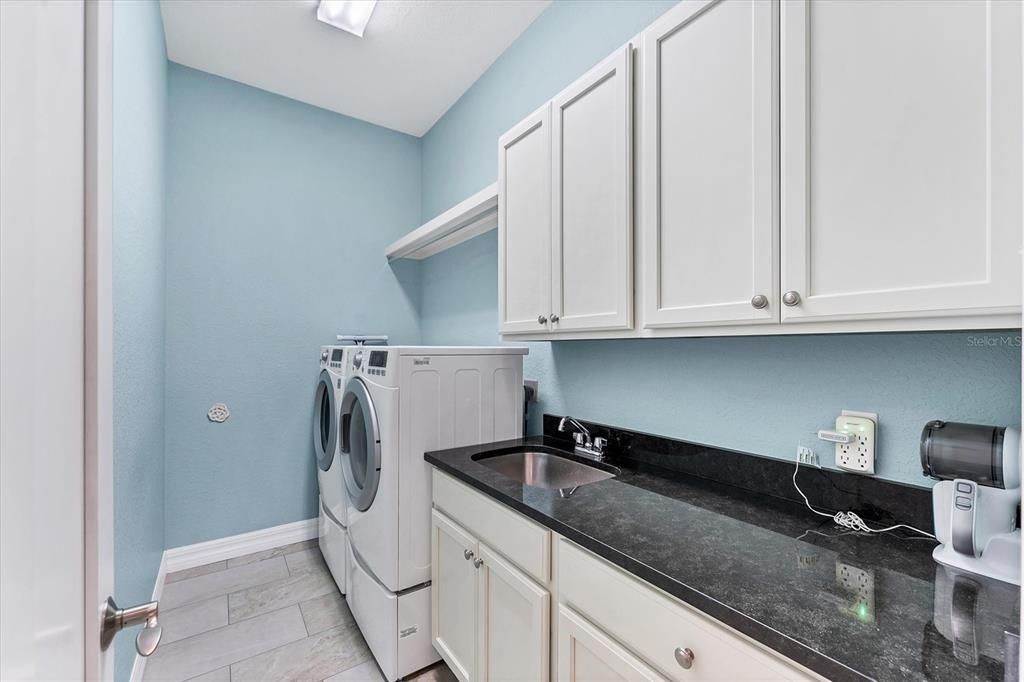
column 116, row 619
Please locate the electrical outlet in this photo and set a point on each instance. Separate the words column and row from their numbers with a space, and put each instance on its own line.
column 859, row 454
column 535, row 385
column 859, row 585
column 806, row 455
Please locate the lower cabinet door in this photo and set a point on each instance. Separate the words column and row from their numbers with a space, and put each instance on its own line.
column 453, row 596
column 515, row 622
column 586, row 654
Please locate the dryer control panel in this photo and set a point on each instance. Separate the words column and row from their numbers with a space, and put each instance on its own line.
column 372, row 362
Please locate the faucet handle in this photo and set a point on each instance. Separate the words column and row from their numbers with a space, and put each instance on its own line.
column 579, row 438
column 600, row 444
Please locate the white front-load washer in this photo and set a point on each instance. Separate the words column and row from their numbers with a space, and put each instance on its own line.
column 400, row 402
column 333, row 505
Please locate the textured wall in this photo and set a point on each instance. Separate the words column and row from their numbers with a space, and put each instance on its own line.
column 757, row 394
column 139, row 109
column 278, row 214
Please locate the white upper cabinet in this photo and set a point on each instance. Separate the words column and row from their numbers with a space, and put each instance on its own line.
column 571, row 269
column 524, row 225
column 708, row 153
column 901, row 159
column 802, row 166
column 592, row 199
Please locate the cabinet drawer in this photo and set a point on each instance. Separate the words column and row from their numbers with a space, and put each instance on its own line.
column 654, row 625
column 525, row 543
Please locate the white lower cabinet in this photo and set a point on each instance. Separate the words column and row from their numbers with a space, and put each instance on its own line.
column 489, row 620
column 453, row 597
column 494, row 617
column 514, row 629
column 670, row 637
column 586, row 654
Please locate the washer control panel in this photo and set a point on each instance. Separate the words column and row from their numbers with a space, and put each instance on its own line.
column 333, row 357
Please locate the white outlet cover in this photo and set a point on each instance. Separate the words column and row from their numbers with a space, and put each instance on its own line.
column 858, row 456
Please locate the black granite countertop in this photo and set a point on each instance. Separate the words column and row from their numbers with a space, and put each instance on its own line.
column 769, row 568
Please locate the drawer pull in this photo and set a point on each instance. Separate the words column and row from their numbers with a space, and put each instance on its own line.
column 468, row 554
column 684, row 657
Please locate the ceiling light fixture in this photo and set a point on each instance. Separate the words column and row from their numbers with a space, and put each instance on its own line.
column 348, row 15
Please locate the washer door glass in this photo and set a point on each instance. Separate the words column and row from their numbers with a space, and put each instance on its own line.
column 360, row 445
column 325, row 429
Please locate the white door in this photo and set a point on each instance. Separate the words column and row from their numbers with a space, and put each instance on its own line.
column 586, row 654
column 55, row 323
column 514, row 632
column 901, row 158
column 592, row 199
column 524, row 225
column 453, row 596
column 708, row 155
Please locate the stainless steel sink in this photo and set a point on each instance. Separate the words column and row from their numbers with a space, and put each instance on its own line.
column 547, row 470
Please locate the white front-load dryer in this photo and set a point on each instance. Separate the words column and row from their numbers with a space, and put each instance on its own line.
column 400, row 402
column 333, row 503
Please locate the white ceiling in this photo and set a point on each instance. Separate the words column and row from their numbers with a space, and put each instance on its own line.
column 415, row 60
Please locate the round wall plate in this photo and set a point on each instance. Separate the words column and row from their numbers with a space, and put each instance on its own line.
column 219, row 413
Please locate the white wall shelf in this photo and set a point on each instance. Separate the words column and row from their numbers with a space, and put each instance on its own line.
column 465, row 220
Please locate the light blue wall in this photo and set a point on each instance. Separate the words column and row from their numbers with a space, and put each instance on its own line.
column 460, row 151
column 139, row 110
column 278, row 214
column 756, row 394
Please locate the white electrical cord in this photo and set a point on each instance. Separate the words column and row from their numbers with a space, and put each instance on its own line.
column 848, row 519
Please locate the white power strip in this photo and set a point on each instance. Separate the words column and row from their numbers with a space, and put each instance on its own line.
column 859, row 454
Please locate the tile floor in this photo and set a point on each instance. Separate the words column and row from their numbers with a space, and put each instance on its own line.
column 273, row 615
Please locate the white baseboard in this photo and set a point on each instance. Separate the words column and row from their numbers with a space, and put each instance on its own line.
column 139, row 666
column 190, row 556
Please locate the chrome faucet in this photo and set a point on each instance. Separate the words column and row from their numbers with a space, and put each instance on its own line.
column 586, row 446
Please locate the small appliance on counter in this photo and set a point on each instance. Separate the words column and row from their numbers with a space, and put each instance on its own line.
column 975, row 501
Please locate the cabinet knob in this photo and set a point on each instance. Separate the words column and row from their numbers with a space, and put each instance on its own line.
column 468, row 554
column 684, row 657
column 478, row 562
column 554, row 318
column 541, row 319
column 791, row 298
column 759, row 301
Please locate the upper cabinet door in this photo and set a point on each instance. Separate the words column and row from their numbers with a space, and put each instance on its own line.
column 901, row 158
column 524, row 225
column 708, row 159
column 592, row 199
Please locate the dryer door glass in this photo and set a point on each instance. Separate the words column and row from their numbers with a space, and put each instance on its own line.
column 360, row 445
column 325, row 431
